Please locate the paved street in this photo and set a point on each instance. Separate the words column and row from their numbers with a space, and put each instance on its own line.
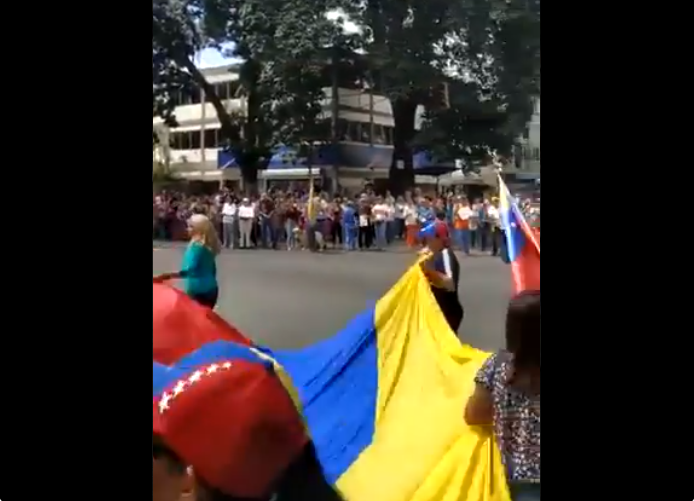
column 289, row 299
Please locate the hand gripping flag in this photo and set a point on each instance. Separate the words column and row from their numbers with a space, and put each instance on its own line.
column 522, row 244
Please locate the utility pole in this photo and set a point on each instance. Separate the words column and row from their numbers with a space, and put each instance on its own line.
column 371, row 109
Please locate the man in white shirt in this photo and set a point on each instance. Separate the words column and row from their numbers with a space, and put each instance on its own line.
column 399, row 215
column 229, row 223
column 246, row 214
column 380, row 212
column 461, row 224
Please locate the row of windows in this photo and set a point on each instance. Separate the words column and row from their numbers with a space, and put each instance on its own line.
column 347, row 131
column 531, row 153
column 225, row 90
column 360, row 132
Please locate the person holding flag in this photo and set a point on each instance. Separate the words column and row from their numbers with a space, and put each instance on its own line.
column 199, row 268
column 442, row 269
column 507, row 396
column 226, row 411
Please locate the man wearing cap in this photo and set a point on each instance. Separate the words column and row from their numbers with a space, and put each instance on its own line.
column 227, row 414
column 443, row 271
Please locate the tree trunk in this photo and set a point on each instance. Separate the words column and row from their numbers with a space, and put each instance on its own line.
column 402, row 179
column 249, row 169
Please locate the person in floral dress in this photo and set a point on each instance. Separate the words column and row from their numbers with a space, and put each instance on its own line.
column 507, row 395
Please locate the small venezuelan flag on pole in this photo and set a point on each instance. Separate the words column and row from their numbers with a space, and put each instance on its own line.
column 521, row 242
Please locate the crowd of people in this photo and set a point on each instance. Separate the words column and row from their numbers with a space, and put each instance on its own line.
column 227, row 457
column 289, row 220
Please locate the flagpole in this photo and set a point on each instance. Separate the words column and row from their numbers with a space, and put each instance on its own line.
column 310, row 181
column 310, row 209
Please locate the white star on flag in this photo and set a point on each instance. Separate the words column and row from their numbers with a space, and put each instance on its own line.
column 178, row 389
column 184, row 384
column 164, row 403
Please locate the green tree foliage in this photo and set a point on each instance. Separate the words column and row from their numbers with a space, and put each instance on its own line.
column 473, row 64
column 468, row 128
column 278, row 42
column 489, row 107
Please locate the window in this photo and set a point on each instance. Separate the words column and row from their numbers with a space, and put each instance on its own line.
column 183, row 98
column 225, row 90
column 191, row 140
column 222, row 91
column 379, row 134
column 365, row 132
column 180, row 140
column 388, row 134
column 358, row 132
column 211, row 138
column 342, row 129
column 196, row 140
column 353, row 131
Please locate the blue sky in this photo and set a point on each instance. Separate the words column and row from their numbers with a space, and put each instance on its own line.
column 211, row 57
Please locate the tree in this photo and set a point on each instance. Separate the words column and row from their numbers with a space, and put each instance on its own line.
column 489, row 110
column 417, row 46
column 277, row 42
column 402, row 40
column 468, row 128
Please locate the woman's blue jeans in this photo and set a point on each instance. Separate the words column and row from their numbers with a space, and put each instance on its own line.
column 381, row 239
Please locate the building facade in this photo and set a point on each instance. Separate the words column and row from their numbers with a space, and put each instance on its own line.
column 364, row 147
column 530, row 160
column 364, row 127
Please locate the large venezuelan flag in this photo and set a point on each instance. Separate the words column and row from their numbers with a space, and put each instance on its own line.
column 522, row 243
column 384, row 402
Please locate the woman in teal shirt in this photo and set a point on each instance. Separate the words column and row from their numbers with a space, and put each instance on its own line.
column 199, row 267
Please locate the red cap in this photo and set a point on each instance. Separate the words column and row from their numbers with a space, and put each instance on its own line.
column 441, row 230
column 235, row 424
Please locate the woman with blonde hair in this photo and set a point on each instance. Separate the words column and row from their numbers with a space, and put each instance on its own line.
column 199, row 267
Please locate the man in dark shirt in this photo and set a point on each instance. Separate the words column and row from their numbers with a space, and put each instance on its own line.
column 443, row 271
column 267, row 234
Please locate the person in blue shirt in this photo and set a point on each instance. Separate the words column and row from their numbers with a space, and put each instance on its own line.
column 350, row 226
column 425, row 213
column 199, row 267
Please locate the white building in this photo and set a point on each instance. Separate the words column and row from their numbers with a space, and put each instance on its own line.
column 530, row 160
column 365, row 130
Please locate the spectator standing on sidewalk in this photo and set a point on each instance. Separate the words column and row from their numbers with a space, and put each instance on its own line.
column 229, row 223
column 246, row 214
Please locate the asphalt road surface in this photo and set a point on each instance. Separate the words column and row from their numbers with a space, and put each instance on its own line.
column 289, row 299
